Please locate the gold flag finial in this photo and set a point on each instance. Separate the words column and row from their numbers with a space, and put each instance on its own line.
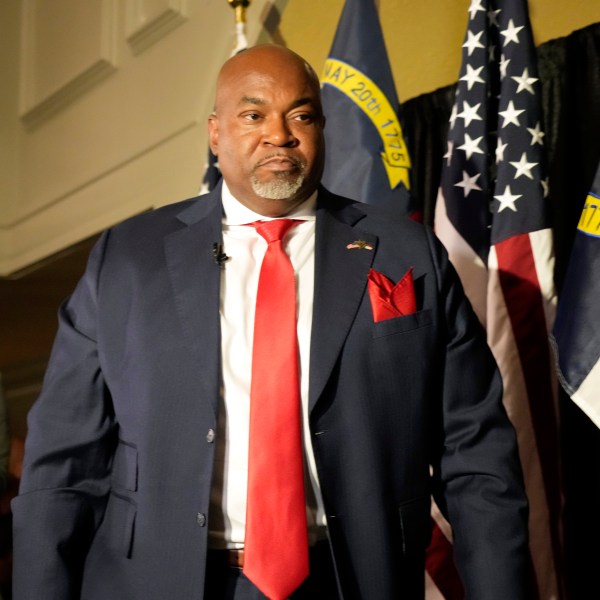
column 240, row 7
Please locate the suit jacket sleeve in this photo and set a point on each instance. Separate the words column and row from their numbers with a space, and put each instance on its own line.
column 478, row 477
column 71, row 437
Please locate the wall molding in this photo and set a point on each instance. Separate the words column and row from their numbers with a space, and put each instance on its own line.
column 75, row 216
column 66, row 95
column 35, row 108
column 143, row 32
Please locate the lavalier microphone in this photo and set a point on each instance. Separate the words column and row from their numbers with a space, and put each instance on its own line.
column 218, row 254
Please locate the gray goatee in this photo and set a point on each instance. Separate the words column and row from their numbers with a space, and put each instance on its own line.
column 284, row 186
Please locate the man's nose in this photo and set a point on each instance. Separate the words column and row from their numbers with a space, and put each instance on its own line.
column 279, row 133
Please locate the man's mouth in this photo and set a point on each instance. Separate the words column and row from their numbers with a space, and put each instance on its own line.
column 280, row 163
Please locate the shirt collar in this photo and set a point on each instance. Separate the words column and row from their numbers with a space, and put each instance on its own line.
column 235, row 213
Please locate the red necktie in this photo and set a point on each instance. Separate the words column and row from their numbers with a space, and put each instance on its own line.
column 276, row 545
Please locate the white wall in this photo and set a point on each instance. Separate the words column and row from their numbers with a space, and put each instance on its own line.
column 103, row 103
column 103, row 113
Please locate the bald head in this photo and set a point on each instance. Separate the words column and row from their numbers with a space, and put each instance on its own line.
column 267, row 128
column 270, row 59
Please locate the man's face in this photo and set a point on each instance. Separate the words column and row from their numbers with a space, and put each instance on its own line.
column 267, row 131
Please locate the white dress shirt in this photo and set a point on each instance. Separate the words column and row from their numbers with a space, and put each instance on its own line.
column 245, row 249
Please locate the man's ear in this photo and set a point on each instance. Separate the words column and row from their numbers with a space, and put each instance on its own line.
column 213, row 133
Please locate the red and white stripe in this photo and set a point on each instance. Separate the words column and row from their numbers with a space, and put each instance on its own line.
column 514, row 299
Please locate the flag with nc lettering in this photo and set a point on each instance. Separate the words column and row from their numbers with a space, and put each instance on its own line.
column 366, row 159
column 577, row 328
column 492, row 215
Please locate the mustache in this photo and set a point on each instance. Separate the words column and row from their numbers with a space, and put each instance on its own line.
column 296, row 162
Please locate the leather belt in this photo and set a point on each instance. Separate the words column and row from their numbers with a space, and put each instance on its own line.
column 235, row 558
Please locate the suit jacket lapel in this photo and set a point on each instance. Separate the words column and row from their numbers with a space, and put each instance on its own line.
column 196, row 285
column 340, row 282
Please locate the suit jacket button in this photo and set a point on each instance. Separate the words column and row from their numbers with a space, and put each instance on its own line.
column 210, row 436
column 201, row 519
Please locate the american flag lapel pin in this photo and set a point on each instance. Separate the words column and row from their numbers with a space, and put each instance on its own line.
column 360, row 244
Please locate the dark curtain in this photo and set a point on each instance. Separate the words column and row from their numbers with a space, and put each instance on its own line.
column 569, row 70
column 425, row 124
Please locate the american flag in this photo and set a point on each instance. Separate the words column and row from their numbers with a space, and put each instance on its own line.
column 492, row 215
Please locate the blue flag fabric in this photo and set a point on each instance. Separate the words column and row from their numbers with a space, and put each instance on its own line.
column 494, row 177
column 212, row 174
column 576, row 330
column 367, row 158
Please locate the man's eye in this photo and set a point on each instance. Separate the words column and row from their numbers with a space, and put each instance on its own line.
column 305, row 117
column 252, row 116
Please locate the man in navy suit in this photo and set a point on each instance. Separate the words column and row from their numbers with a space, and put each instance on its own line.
column 135, row 477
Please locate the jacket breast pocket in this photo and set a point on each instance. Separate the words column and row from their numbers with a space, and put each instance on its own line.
column 402, row 324
column 415, row 525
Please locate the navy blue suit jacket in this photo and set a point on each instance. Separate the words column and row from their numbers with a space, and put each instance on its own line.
column 119, row 457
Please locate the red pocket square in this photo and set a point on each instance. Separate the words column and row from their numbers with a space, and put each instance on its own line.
column 390, row 300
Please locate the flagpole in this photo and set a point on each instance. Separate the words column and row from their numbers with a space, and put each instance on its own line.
column 240, row 6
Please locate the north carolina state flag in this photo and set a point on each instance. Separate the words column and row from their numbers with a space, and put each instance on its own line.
column 367, row 159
